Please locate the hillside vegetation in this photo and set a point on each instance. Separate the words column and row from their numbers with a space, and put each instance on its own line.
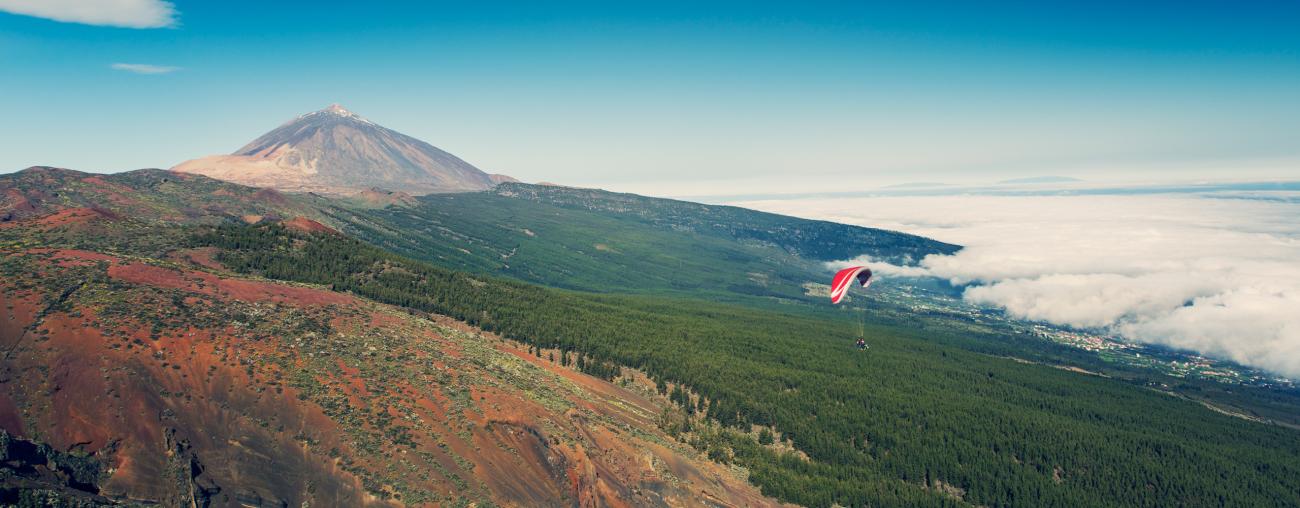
column 608, row 242
column 561, row 237
column 761, row 377
column 139, row 372
column 913, row 422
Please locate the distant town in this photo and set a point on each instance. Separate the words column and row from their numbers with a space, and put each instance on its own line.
column 1109, row 347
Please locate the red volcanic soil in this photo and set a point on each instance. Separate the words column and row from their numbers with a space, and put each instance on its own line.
column 605, row 469
column 200, row 256
column 172, row 409
column 117, row 194
column 306, row 225
column 192, row 387
column 75, row 216
column 106, row 185
column 209, row 284
column 15, row 205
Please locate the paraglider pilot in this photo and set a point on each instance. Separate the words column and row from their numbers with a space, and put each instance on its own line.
column 840, row 285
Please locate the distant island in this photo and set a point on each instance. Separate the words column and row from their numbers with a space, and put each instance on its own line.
column 1040, row 179
column 916, row 185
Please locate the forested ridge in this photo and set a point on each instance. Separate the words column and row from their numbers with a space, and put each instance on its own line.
column 812, row 239
column 602, row 241
column 912, row 422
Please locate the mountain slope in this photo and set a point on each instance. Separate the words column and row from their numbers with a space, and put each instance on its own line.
column 608, row 242
column 935, row 414
column 144, row 194
column 812, row 239
column 335, row 151
column 914, row 422
column 182, row 384
column 571, row 238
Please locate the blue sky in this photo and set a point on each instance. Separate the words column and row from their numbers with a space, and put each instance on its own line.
column 678, row 99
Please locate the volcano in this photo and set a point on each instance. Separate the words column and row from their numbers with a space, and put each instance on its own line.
column 336, row 151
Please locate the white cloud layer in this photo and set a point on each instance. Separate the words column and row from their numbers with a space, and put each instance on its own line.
column 144, row 68
column 120, row 13
column 1215, row 274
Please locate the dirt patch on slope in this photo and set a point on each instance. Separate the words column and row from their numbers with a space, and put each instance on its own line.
column 306, row 225
column 206, row 283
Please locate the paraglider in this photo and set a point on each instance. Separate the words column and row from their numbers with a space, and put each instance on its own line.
column 845, row 278
column 840, row 285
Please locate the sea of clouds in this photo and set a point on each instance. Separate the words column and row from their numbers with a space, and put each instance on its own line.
column 1216, row 273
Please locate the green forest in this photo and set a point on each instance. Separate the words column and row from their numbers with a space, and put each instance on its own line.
column 915, row 421
column 604, row 242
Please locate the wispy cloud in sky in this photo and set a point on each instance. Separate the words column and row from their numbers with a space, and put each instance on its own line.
column 119, row 13
column 144, row 68
column 1218, row 274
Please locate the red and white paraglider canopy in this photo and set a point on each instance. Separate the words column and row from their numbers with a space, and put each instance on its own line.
column 845, row 278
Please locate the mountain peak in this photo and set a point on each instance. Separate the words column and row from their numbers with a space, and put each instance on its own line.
column 336, row 151
column 332, row 111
